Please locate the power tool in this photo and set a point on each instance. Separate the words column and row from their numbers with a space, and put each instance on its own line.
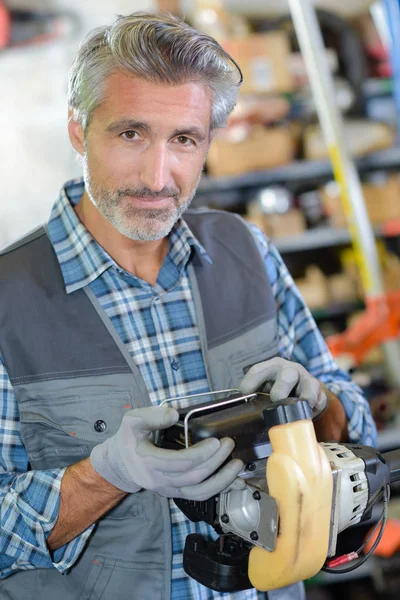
column 280, row 525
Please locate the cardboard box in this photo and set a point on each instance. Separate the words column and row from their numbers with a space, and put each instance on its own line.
column 261, row 148
column 171, row 6
column 382, row 199
column 264, row 61
column 291, row 223
column 362, row 137
column 320, row 291
column 342, row 288
column 314, row 288
column 277, row 225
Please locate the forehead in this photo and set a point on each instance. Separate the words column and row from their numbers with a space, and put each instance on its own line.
column 181, row 105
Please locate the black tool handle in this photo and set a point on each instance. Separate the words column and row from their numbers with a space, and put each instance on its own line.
column 392, row 460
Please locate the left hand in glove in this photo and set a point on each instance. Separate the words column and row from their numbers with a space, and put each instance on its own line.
column 287, row 379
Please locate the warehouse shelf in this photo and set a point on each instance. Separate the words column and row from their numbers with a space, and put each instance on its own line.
column 326, row 237
column 320, row 237
column 337, row 309
column 300, row 171
column 311, row 239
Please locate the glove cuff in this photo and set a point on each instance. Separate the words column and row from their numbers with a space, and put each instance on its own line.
column 107, row 463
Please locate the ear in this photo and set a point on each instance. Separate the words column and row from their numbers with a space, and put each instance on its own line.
column 76, row 134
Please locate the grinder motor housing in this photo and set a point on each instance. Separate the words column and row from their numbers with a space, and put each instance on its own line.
column 237, row 516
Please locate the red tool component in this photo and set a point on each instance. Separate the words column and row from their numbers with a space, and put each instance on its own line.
column 5, row 26
column 341, row 560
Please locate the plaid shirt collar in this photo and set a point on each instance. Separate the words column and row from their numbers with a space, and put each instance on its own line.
column 82, row 259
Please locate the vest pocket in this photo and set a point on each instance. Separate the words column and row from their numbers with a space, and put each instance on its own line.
column 45, row 453
column 61, row 431
column 242, row 361
column 229, row 362
column 239, row 362
column 110, row 579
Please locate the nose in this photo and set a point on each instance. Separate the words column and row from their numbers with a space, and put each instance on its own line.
column 155, row 170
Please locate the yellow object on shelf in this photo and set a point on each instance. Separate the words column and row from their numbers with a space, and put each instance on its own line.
column 300, row 479
column 362, row 137
column 389, row 263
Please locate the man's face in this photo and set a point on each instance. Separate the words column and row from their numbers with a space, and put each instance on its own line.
column 144, row 152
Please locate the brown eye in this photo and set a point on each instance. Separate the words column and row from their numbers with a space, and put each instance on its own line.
column 184, row 141
column 129, row 135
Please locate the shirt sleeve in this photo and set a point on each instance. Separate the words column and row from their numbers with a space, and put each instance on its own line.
column 300, row 341
column 29, row 500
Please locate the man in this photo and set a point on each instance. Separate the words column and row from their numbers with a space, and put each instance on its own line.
column 119, row 304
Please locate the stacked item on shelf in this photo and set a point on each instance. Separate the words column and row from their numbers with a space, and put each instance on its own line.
column 256, row 138
column 362, row 137
column 381, row 192
column 285, row 218
column 248, row 144
column 274, row 122
column 273, row 211
column 320, row 291
column 242, row 149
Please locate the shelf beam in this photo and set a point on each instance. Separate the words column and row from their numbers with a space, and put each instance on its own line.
column 300, row 171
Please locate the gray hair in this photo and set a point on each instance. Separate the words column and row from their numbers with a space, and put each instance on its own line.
column 159, row 48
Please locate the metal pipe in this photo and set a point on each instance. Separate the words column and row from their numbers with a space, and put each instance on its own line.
column 312, row 47
column 313, row 50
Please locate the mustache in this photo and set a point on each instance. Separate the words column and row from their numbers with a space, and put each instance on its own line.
column 144, row 192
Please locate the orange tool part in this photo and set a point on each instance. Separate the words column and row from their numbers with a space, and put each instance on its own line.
column 379, row 323
column 390, row 541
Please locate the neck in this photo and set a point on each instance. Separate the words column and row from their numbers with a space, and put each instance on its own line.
column 141, row 258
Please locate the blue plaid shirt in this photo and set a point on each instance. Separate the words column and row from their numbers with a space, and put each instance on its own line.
column 163, row 340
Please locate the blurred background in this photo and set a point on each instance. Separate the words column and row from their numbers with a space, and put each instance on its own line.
column 270, row 165
column 36, row 156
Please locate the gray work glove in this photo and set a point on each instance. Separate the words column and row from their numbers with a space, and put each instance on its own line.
column 287, row 379
column 130, row 461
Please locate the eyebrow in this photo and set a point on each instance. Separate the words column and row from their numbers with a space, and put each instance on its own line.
column 127, row 124
column 191, row 131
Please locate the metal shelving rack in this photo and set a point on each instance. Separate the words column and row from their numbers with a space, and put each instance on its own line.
column 342, row 166
column 320, row 237
column 300, row 171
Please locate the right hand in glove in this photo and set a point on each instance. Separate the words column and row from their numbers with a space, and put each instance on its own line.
column 130, row 461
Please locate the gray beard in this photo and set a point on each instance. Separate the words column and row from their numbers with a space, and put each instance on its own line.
column 140, row 224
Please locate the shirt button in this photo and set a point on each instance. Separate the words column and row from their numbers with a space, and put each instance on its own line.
column 175, row 365
column 100, row 426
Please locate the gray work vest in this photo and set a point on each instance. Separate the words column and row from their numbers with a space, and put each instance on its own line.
column 70, row 370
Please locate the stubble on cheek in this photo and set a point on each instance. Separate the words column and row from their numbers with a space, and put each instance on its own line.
column 136, row 222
